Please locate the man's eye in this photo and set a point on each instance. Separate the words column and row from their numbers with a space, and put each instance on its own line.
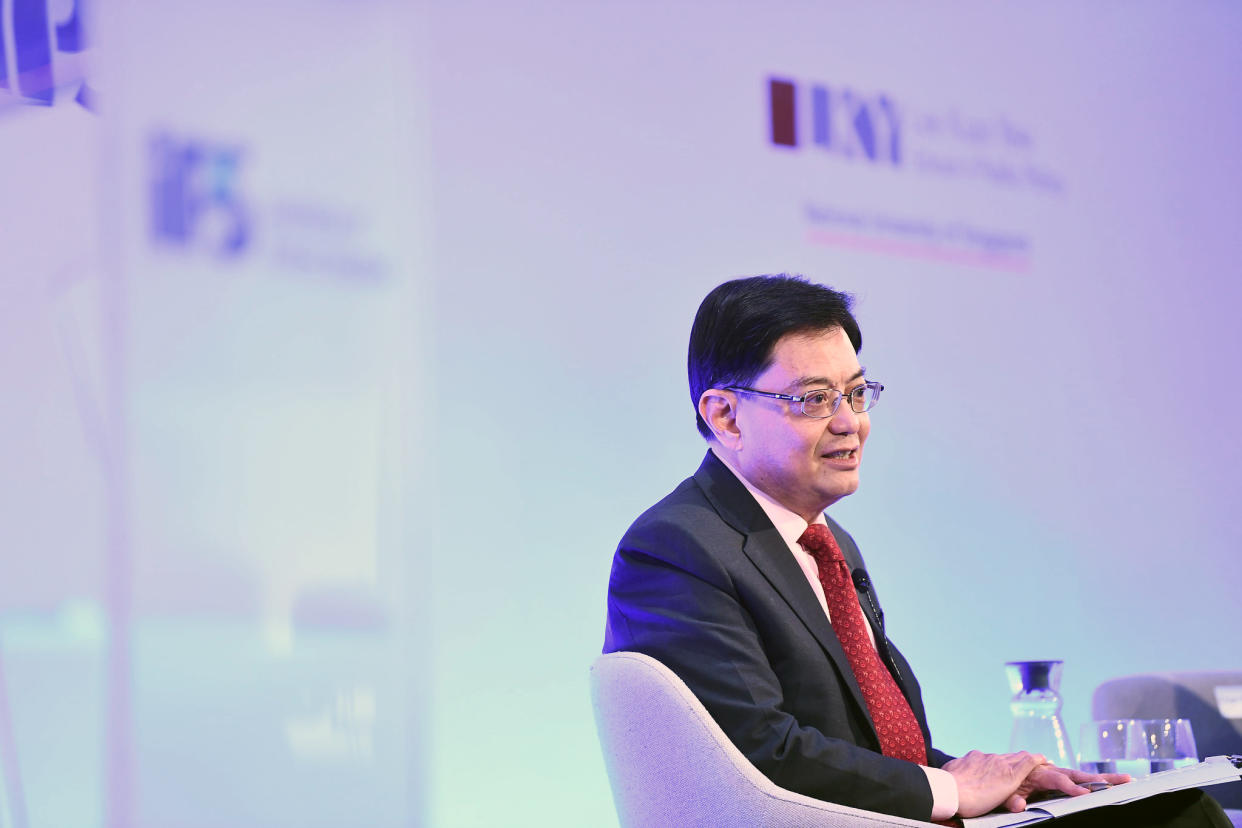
column 817, row 398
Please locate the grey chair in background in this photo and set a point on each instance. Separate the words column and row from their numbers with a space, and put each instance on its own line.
column 1209, row 699
column 670, row 764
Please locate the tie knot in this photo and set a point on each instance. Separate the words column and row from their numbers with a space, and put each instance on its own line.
column 818, row 540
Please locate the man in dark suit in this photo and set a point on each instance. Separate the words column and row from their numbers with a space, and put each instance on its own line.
column 729, row 580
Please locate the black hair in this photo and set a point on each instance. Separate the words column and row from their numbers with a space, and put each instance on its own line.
column 740, row 322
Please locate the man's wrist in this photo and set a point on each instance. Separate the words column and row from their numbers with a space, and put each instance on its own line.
column 944, row 793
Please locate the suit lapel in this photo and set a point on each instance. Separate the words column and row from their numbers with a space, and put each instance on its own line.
column 767, row 550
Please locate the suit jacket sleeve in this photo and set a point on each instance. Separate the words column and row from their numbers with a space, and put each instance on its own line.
column 683, row 592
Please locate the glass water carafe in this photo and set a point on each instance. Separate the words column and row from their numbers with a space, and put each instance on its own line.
column 1036, row 707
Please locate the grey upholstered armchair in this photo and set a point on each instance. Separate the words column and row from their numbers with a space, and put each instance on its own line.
column 670, row 764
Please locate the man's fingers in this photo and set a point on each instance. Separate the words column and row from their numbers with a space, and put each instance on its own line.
column 1027, row 762
column 1025, row 765
column 1056, row 780
column 1066, row 785
column 1110, row 778
column 1014, row 804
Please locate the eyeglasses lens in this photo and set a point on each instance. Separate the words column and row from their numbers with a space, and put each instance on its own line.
column 821, row 404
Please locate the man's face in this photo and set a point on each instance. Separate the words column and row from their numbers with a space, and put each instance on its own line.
column 803, row 463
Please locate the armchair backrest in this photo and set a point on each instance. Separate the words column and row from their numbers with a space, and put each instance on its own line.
column 670, row 764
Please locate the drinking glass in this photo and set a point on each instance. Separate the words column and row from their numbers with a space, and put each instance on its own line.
column 1170, row 744
column 1114, row 746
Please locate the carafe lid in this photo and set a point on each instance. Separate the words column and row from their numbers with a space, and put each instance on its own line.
column 1025, row 676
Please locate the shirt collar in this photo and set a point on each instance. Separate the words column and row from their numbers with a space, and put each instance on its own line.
column 789, row 524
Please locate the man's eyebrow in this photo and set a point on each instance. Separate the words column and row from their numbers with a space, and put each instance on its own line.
column 824, row 382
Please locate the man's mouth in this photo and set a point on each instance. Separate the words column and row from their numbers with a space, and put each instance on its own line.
column 843, row 454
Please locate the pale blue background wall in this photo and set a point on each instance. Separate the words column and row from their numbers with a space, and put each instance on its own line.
column 315, row 526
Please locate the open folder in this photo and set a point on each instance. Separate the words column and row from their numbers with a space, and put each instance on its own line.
column 1213, row 771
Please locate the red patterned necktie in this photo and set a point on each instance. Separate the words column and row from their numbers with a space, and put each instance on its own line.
column 899, row 732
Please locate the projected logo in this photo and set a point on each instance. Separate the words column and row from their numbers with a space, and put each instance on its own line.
column 195, row 199
column 40, row 54
column 199, row 204
column 986, row 150
column 835, row 119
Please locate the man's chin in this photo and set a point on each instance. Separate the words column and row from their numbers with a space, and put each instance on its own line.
column 840, row 488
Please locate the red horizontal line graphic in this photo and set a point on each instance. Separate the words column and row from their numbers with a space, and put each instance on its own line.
column 919, row 250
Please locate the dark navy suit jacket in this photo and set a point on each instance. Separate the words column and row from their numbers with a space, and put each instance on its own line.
column 703, row 582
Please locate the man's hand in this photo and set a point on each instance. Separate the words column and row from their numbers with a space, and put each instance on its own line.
column 986, row 780
column 1049, row 778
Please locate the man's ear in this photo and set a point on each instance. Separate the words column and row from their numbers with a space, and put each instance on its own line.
column 718, row 408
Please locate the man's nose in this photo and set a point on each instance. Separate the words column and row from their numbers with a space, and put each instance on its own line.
column 844, row 420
